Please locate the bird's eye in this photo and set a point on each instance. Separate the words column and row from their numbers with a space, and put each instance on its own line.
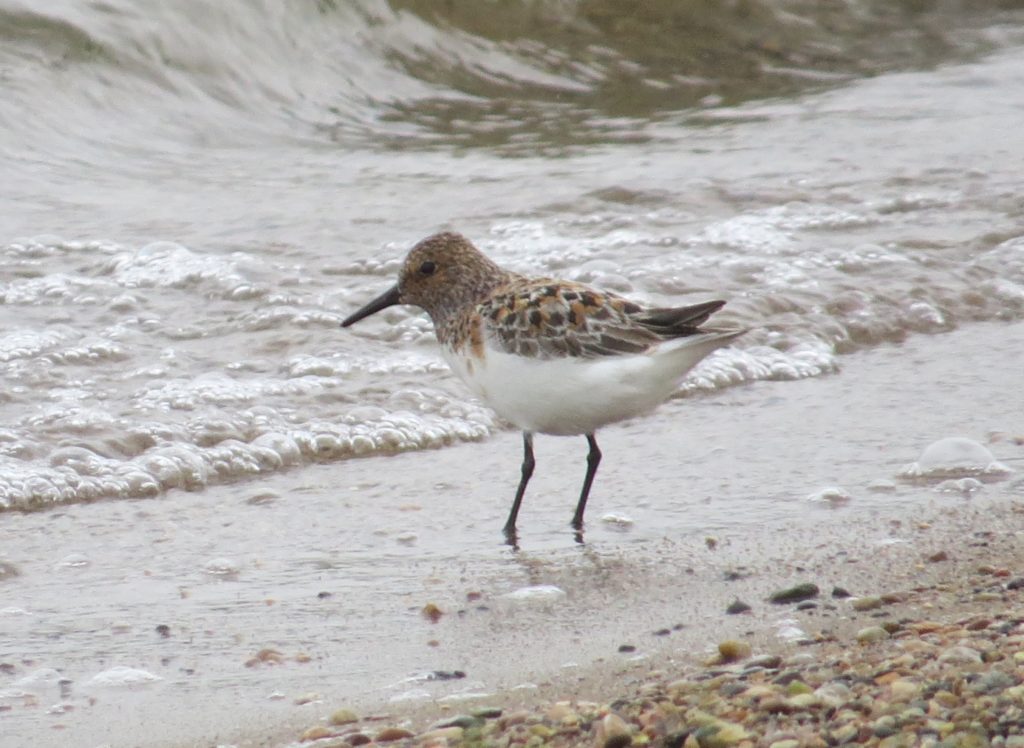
column 428, row 268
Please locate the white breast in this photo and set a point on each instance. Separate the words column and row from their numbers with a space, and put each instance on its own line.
column 576, row 395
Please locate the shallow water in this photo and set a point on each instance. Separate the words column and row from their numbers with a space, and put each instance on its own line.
column 190, row 211
column 830, row 223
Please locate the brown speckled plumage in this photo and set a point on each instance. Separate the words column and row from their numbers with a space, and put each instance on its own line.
column 471, row 300
column 461, row 277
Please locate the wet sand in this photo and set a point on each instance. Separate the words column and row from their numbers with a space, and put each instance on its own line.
column 929, row 648
column 262, row 610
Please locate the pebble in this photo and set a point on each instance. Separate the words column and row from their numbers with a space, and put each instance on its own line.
column 613, row 732
column 515, row 718
column 343, row 717
column 736, row 607
column 265, row 656
column 797, row 688
column 462, row 721
column 872, row 635
column 451, row 734
column 316, row 733
column 845, row 734
column 960, row 656
column 767, row 661
column 993, row 682
column 794, row 594
column 541, row 731
column 904, row 690
column 487, row 712
column 431, row 612
column 833, row 694
column 446, row 675
column 866, row 603
column 389, row 734
column 560, row 712
column 803, row 701
column 732, row 650
column 720, row 734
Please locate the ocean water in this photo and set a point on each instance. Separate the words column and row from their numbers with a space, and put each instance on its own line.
column 195, row 194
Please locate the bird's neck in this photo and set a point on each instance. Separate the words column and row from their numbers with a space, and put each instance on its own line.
column 472, row 292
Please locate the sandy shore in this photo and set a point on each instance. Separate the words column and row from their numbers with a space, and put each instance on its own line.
column 929, row 650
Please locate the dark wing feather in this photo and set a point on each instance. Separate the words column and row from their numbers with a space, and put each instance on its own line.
column 555, row 319
column 672, row 322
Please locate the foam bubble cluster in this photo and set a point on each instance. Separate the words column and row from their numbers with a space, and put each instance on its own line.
column 206, row 453
column 736, row 365
column 171, row 265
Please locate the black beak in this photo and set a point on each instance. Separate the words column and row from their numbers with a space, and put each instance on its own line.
column 389, row 298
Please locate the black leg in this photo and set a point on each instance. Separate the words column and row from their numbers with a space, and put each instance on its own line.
column 510, row 526
column 593, row 460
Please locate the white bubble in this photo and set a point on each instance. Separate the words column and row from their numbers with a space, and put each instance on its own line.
column 221, row 567
column 954, row 457
column 789, row 630
column 833, row 495
column 542, row 594
column 74, row 561
column 962, row 485
column 617, row 520
column 122, row 677
column 42, row 677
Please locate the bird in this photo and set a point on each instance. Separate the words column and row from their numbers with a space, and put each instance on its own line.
column 549, row 356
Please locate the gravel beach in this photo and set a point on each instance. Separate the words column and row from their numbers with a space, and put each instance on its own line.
column 935, row 657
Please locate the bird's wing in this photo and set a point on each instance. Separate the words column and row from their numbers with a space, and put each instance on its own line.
column 556, row 319
column 677, row 322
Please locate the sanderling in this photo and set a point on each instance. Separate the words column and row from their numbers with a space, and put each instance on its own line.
column 550, row 356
